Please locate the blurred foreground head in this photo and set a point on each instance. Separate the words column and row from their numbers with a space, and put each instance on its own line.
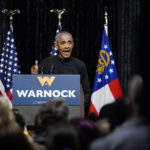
column 12, row 137
column 62, row 136
column 87, row 131
column 6, row 114
column 138, row 95
column 54, row 111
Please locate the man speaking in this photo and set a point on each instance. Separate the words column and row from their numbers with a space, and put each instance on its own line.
column 64, row 63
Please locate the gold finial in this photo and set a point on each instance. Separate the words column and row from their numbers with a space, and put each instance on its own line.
column 59, row 13
column 11, row 13
column 106, row 16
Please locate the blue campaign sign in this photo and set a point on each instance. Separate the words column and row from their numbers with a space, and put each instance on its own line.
column 37, row 89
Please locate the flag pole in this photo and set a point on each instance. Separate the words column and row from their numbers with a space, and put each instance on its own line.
column 106, row 20
column 59, row 14
column 11, row 13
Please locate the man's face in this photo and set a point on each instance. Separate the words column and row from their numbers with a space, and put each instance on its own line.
column 65, row 45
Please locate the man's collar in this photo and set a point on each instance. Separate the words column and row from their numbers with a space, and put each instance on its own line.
column 65, row 59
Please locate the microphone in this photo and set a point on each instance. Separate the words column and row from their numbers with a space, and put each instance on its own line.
column 52, row 69
column 41, row 70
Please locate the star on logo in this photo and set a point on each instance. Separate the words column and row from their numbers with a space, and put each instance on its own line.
column 110, row 53
column 111, row 70
column 105, row 46
column 12, row 46
column 15, row 70
column 112, row 62
column 9, row 68
column 11, row 57
column 9, row 74
column 8, row 80
column 8, row 85
column 99, row 80
column 10, row 63
column 106, row 76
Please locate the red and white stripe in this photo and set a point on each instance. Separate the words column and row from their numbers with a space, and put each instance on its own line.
column 107, row 94
column 8, row 95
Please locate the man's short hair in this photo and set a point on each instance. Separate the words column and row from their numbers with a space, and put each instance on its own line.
column 63, row 33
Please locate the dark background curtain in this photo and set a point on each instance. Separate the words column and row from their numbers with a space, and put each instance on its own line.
column 35, row 28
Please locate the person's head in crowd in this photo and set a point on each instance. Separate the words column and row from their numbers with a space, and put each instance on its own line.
column 62, row 136
column 6, row 114
column 108, row 112
column 53, row 111
column 103, row 126
column 65, row 44
column 87, row 131
column 19, row 119
column 92, row 116
column 138, row 100
column 50, row 113
column 115, row 112
column 12, row 137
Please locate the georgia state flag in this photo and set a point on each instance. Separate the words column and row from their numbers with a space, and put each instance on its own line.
column 106, row 85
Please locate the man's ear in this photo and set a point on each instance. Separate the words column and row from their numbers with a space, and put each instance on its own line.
column 73, row 45
column 56, row 45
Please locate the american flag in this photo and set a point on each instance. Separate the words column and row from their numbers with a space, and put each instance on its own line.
column 106, row 85
column 8, row 66
column 54, row 51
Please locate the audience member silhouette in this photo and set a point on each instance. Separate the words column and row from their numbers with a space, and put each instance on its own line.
column 12, row 137
column 19, row 119
column 92, row 116
column 87, row 131
column 115, row 112
column 62, row 136
column 50, row 113
column 104, row 126
column 6, row 115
